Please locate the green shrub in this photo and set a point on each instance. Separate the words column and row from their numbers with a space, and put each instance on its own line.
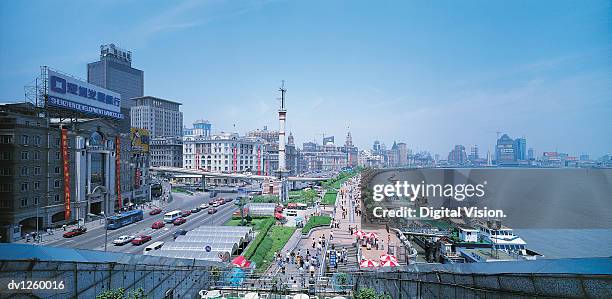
column 264, row 227
column 316, row 221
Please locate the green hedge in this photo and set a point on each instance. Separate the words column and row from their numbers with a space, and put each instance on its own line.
column 275, row 240
column 316, row 221
column 265, row 199
column 264, row 226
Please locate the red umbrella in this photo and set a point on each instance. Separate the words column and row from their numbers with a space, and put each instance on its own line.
column 368, row 264
column 390, row 263
column 360, row 233
column 240, row 261
column 372, row 235
column 387, row 257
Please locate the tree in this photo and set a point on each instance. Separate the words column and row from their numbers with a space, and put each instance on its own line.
column 309, row 195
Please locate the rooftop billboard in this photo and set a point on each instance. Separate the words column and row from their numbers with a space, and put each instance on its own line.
column 73, row 94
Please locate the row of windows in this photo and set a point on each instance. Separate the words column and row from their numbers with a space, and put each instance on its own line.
column 25, row 201
column 25, row 186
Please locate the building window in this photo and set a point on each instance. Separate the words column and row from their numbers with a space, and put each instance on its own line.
column 6, row 155
column 57, row 197
column 36, row 200
column 56, row 184
column 5, row 171
column 24, row 187
column 24, row 202
column 36, row 155
column 25, row 139
column 24, row 170
column 57, row 141
column 57, row 169
column 6, row 139
column 24, row 155
column 37, row 170
column 37, row 185
column 37, row 140
column 57, row 155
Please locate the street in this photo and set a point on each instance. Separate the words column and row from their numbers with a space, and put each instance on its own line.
column 94, row 238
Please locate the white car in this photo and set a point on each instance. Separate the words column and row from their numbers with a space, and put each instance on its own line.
column 123, row 240
column 204, row 206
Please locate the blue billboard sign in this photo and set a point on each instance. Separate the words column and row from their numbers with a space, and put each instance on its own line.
column 70, row 93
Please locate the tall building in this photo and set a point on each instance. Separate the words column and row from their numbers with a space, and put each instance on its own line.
column 351, row 151
column 474, row 153
column 531, row 155
column 114, row 71
column 393, row 155
column 376, row 146
column 504, row 151
column 520, row 149
column 270, row 138
column 161, row 117
column 457, row 156
column 327, row 157
column 403, row 154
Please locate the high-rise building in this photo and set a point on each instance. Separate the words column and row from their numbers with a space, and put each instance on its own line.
column 457, row 156
column 351, row 151
column 531, row 155
column 393, row 155
column 114, row 71
column 504, row 151
column 403, row 154
column 474, row 153
column 376, row 146
column 520, row 149
column 166, row 151
column 161, row 117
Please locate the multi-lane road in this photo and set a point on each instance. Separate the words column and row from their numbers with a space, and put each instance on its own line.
column 94, row 238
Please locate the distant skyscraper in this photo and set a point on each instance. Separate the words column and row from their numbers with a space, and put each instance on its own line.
column 520, row 149
column 403, row 154
column 474, row 153
column 457, row 156
column 376, row 146
column 504, row 151
column 114, row 71
column 531, row 154
column 584, row 157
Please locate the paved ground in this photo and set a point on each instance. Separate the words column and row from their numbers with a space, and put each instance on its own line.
column 94, row 238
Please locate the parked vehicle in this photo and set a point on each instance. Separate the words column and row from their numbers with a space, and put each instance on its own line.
column 180, row 232
column 185, row 213
column 122, row 240
column 179, row 221
column 75, row 232
column 158, row 224
column 141, row 240
column 195, row 210
column 212, row 210
column 155, row 211
column 204, row 206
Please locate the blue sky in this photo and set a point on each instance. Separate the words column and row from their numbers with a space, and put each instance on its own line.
column 429, row 73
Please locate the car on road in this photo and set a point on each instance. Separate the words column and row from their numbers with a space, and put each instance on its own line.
column 216, row 204
column 228, row 199
column 212, row 210
column 185, row 213
column 141, row 239
column 75, row 232
column 123, row 240
column 196, row 210
column 157, row 224
column 204, row 206
column 179, row 221
column 180, row 232
column 155, row 211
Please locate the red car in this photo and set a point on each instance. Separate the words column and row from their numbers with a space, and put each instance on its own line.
column 179, row 221
column 155, row 211
column 157, row 224
column 212, row 211
column 75, row 232
column 185, row 213
column 141, row 239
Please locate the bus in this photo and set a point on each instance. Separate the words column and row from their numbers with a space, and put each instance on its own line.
column 123, row 219
column 170, row 216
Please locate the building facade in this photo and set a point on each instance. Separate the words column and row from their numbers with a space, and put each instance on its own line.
column 225, row 152
column 166, row 151
column 33, row 193
column 162, row 118
column 505, row 151
column 114, row 71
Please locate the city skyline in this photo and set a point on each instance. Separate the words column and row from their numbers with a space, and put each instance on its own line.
column 387, row 76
